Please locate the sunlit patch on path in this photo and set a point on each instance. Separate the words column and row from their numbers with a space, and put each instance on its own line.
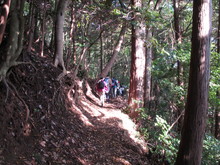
column 111, row 136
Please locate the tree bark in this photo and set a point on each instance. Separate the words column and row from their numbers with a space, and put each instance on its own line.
column 4, row 8
column 190, row 149
column 101, row 51
column 116, row 51
column 217, row 110
column 138, row 59
column 83, row 54
column 60, row 18
column 52, row 41
column 31, row 27
column 15, row 38
column 43, row 21
column 71, row 56
column 178, row 41
column 147, row 95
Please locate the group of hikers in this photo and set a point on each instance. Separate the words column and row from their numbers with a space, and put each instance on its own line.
column 109, row 88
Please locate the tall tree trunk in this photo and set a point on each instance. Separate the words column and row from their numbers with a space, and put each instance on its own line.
column 178, row 35
column 31, row 27
column 117, row 49
column 72, row 47
column 217, row 110
column 73, row 32
column 190, row 149
column 101, row 51
column 4, row 9
column 52, row 41
column 15, row 38
column 148, row 67
column 59, row 34
column 178, row 41
column 43, row 29
column 138, row 52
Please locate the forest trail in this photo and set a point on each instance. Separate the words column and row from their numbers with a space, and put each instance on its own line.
column 65, row 125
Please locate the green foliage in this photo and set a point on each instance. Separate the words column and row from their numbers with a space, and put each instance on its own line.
column 26, row 8
column 211, row 151
column 214, row 88
column 163, row 141
column 167, row 144
column 152, row 17
column 159, row 136
column 116, row 12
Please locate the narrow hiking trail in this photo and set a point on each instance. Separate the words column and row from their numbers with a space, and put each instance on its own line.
column 111, row 137
column 65, row 123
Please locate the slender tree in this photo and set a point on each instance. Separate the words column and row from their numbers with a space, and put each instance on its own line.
column 14, row 41
column 71, row 56
column 217, row 110
column 4, row 10
column 149, row 54
column 52, row 41
column 31, row 26
column 43, row 27
column 60, row 17
column 178, row 39
column 177, row 42
column 190, row 149
column 116, row 51
column 101, row 50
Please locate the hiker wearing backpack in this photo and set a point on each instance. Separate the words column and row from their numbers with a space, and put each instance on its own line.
column 108, row 80
column 101, row 87
column 114, row 87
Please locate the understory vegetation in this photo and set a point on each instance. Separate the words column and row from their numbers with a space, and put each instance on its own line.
column 63, row 44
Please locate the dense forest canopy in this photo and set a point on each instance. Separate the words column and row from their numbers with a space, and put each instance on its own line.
column 153, row 47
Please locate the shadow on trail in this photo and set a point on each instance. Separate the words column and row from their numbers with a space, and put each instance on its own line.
column 106, row 135
column 65, row 126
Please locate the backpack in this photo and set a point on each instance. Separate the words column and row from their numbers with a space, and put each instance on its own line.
column 114, row 82
column 101, row 84
column 106, row 80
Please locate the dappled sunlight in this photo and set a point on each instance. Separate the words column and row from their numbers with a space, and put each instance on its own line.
column 84, row 162
column 203, row 64
column 91, row 110
column 82, row 117
column 105, row 119
column 114, row 117
column 125, row 122
column 205, row 23
column 121, row 160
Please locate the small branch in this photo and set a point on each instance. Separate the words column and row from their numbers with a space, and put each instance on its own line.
column 174, row 122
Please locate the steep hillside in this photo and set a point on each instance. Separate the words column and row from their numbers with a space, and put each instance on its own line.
column 46, row 121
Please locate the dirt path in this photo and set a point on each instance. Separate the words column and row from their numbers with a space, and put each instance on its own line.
column 107, row 136
column 65, row 125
